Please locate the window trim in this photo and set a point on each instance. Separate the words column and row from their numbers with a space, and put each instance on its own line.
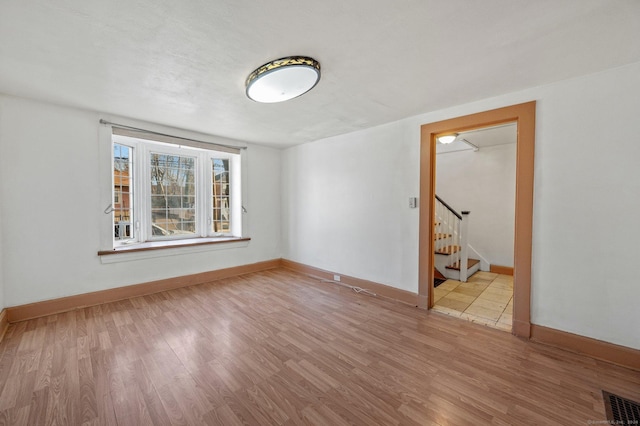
column 145, row 191
column 217, row 146
column 153, row 249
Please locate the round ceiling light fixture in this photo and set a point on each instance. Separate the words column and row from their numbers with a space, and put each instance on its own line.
column 445, row 139
column 283, row 79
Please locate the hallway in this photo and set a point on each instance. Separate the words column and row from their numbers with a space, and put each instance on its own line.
column 486, row 298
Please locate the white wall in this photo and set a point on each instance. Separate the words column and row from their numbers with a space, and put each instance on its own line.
column 2, row 305
column 345, row 203
column 51, row 209
column 484, row 183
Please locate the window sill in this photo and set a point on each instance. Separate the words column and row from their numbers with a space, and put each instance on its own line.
column 152, row 249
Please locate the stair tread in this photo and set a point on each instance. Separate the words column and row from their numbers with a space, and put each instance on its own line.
column 447, row 250
column 440, row 236
column 470, row 263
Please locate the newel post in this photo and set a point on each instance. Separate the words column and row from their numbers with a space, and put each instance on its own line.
column 464, row 245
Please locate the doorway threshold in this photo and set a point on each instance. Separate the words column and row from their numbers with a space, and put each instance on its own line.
column 486, row 298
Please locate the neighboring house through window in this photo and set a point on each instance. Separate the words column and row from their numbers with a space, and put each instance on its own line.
column 166, row 191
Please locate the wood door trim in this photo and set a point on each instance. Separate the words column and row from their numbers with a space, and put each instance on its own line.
column 524, row 116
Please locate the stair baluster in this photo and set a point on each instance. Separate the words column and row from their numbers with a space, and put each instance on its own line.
column 455, row 225
column 464, row 246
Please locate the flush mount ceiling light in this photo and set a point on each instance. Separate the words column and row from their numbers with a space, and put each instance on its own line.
column 447, row 138
column 283, row 79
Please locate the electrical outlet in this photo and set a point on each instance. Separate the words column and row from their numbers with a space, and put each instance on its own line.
column 336, row 278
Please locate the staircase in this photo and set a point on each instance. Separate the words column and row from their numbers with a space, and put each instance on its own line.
column 451, row 243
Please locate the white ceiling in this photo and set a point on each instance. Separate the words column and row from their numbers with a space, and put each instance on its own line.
column 183, row 63
column 481, row 138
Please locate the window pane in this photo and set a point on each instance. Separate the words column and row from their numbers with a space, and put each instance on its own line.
column 220, row 195
column 173, row 202
column 122, row 192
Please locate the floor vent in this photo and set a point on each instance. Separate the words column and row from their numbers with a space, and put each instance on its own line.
column 621, row 411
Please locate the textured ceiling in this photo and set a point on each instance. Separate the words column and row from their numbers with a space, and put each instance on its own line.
column 183, row 63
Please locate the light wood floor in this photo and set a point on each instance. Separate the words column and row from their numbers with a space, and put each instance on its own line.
column 277, row 347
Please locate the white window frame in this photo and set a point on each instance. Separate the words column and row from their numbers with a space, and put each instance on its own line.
column 141, row 184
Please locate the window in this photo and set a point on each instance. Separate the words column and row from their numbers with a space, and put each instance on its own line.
column 122, row 192
column 220, row 194
column 173, row 193
column 164, row 191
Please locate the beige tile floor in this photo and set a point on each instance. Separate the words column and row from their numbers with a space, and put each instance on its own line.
column 486, row 298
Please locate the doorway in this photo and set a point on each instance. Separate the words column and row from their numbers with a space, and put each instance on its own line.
column 524, row 116
column 475, row 173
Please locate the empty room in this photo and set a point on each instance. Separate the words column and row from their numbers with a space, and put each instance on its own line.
column 328, row 213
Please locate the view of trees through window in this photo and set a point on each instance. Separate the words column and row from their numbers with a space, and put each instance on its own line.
column 220, row 195
column 180, row 192
column 173, row 194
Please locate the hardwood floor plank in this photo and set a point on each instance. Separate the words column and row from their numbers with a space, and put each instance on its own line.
column 15, row 416
column 38, row 407
column 223, row 415
column 376, row 409
column 289, row 403
column 172, row 408
column 191, row 397
column 25, row 391
column 58, row 410
column 279, row 347
column 228, row 372
column 265, row 404
column 106, row 412
column 318, row 416
column 376, row 388
column 10, row 392
column 416, row 414
column 87, row 391
column 209, row 387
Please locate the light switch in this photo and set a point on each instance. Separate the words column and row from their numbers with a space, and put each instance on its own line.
column 413, row 202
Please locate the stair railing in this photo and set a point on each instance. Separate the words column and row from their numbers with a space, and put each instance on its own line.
column 464, row 246
column 456, row 225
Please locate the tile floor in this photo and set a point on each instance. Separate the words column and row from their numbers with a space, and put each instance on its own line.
column 486, row 298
